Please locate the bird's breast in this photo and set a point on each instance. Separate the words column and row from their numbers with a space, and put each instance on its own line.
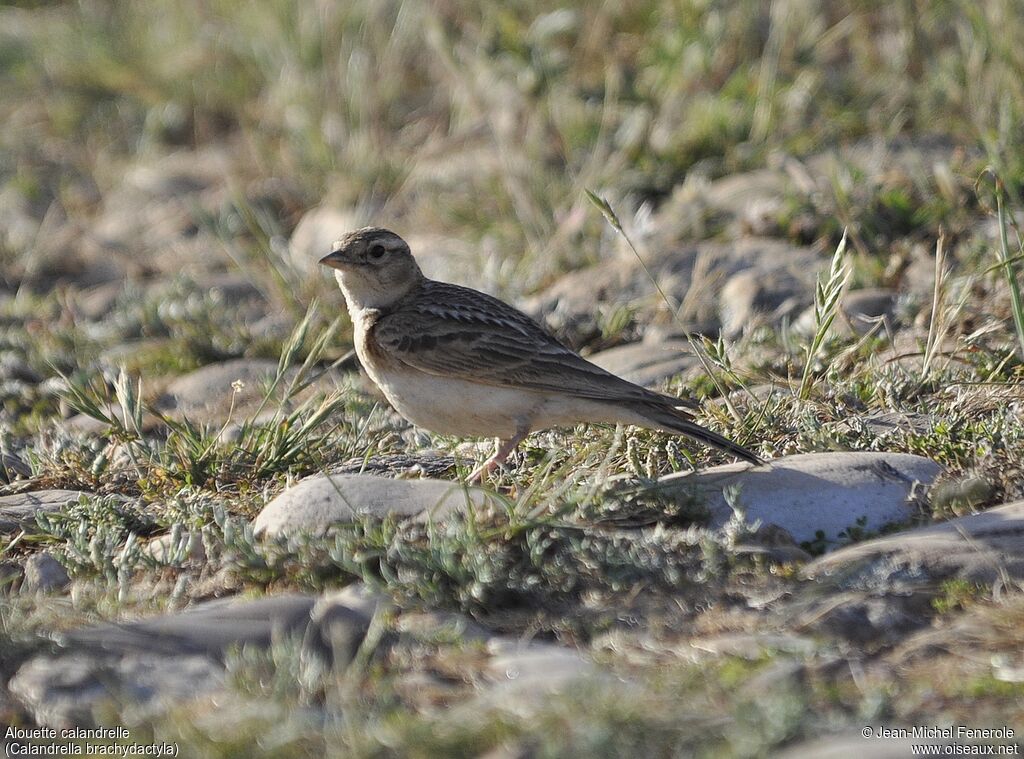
column 372, row 356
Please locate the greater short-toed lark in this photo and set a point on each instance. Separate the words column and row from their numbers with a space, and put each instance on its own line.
column 456, row 361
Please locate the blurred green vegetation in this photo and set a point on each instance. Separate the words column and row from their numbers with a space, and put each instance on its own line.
column 502, row 112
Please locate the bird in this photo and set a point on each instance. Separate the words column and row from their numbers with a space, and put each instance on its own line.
column 456, row 361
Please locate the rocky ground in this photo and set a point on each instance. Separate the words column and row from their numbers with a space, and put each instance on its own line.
column 214, row 533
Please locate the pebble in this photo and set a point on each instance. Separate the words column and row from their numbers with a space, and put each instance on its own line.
column 44, row 574
column 982, row 548
column 78, row 689
column 18, row 512
column 315, row 504
column 647, row 363
column 812, row 492
column 206, row 394
column 208, row 628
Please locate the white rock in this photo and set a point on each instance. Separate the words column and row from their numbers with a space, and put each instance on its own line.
column 760, row 295
column 316, row 503
column 981, row 548
column 809, row 492
column 859, row 310
column 781, row 280
column 646, row 363
column 18, row 512
column 211, row 387
column 753, row 646
column 209, row 628
column 74, row 689
column 44, row 574
column 336, row 629
column 442, row 625
column 357, row 597
column 522, row 677
column 166, row 548
column 541, row 666
column 196, row 388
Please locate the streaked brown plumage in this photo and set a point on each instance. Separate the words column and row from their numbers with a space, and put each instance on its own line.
column 460, row 362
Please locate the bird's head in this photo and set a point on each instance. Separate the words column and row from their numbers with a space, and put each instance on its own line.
column 373, row 266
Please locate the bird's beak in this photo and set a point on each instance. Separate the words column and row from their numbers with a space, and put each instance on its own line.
column 335, row 259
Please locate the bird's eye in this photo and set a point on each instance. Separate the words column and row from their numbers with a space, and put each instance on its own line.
column 376, row 252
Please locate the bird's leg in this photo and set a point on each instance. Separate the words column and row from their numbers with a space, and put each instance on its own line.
column 503, row 449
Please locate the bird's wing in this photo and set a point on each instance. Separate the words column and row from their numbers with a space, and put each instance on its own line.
column 449, row 330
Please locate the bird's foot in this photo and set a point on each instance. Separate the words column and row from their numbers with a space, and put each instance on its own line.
column 502, row 451
column 494, row 462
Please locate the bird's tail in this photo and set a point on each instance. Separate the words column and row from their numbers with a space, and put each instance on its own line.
column 675, row 420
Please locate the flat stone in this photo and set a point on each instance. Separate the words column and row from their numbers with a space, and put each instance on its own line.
column 98, row 301
column 336, row 630
column 761, row 295
column 570, row 305
column 13, row 467
column 736, row 193
column 882, row 160
column 868, row 620
column 746, row 202
column 168, row 548
column 754, row 646
column 442, row 625
column 315, row 504
column 647, row 363
column 149, row 217
column 979, row 548
column 359, row 597
column 78, row 689
column 882, row 423
column 208, row 628
column 18, row 512
column 522, row 675
column 44, row 574
column 811, row 492
column 209, row 393
column 862, row 308
column 206, row 394
column 541, row 664
column 859, row 312
column 425, row 463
